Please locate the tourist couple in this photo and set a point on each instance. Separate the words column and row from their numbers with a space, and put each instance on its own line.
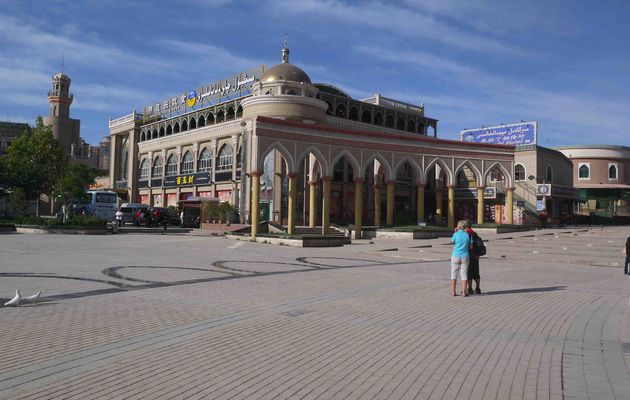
column 467, row 247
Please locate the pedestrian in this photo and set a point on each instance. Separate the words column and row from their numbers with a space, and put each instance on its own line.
column 156, row 217
column 119, row 218
column 460, row 258
column 626, row 251
column 473, row 265
column 138, row 215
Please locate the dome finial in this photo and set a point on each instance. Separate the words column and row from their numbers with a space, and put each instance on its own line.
column 285, row 51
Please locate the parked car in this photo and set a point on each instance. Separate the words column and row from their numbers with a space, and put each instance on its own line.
column 171, row 215
column 130, row 211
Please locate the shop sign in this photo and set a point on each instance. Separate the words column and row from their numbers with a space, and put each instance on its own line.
column 540, row 205
column 143, row 184
column 543, row 189
column 514, row 134
column 231, row 88
column 520, row 203
column 471, row 193
column 201, row 178
column 564, row 191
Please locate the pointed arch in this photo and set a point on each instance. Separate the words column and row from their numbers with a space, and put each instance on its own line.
column 417, row 170
column 444, row 166
column 378, row 156
column 326, row 171
column 350, row 158
column 508, row 177
column 284, row 152
column 475, row 170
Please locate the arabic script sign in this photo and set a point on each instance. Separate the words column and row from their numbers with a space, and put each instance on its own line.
column 227, row 89
column 514, row 134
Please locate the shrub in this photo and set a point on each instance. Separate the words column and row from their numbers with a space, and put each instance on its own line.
column 85, row 220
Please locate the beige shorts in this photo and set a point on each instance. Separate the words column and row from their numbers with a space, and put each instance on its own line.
column 459, row 265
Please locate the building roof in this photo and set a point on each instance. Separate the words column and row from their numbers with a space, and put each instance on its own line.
column 592, row 146
column 285, row 71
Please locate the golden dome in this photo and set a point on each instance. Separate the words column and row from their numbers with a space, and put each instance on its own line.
column 285, row 71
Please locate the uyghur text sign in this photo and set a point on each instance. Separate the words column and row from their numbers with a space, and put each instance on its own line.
column 227, row 89
column 514, row 134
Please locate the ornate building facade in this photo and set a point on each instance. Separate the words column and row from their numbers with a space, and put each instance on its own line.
column 284, row 149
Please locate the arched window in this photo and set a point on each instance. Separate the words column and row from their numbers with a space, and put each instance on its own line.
column 366, row 116
column 176, row 127
column 202, row 121
column 184, row 126
column 239, row 111
column 205, row 161
column 157, row 168
column 421, row 129
column 143, row 136
column 411, row 126
column 400, row 124
column 230, row 114
column 584, row 172
column 378, row 119
column 162, row 131
column 291, row 92
column 340, row 111
column 192, row 124
column 210, row 119
column 389, row 121
column 519, row 172
column 612, row 172
column 171, row 165
column 496, row 174
column 329, row 110
column 225, row 158
column 154, row 134
column 220, row 116
column 187, row 163
column 549, row 174
column 169, row 130
column 144, row 170
column 354, row 114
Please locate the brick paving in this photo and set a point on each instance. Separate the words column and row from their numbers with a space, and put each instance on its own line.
column 145, row 317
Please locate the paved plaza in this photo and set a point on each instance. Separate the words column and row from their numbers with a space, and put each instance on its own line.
column 187, row 317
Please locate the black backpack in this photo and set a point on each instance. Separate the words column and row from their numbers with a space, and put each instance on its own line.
column 478, row 246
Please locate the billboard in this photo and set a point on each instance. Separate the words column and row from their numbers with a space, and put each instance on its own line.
column 513, row 134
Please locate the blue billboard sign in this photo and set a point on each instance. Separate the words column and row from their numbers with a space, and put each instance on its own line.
column 513, row 134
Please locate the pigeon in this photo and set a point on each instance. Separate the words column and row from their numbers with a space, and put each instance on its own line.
column 16, row 300
column 33, row 298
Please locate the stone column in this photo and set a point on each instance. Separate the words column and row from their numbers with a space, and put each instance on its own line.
column 213, row 151
column 195, row 166
column 358, row 207
column 451, row 206
column 377, row 205
column 312, row 207
column 480, row 207
column 292, row 202
column 438, row 204
column 255, row 202
column 509, row 205
column 420, row 202
column 233, row 195
column 391, row 186
column 132, row 168
column 114, row 153
column 326, row 205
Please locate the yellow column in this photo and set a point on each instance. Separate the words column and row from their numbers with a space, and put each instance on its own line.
column 255, row 202
column 312, row 208
column 292, row 202
column 451, row 206
column 480, row 207
column 391, row 185
column 358, row 207
column 438, row 205
column 509, row 206
column 420, row 202
column 377, row 205
column 326, row 205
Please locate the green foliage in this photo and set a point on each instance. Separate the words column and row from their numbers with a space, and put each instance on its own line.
column 18, row 201
column 85, row 220
column 224, row 212
column 34, row 161
column 76, row 221
column 73, row 182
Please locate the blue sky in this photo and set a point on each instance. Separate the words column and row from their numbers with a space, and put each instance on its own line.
column 472, row 63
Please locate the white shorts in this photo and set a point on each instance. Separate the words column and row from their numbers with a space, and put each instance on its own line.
column 459, row 265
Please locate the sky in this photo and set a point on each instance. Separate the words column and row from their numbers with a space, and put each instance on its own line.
column 472, row 63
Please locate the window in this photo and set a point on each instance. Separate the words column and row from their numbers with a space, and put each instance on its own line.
column 549, row 174
column 584, row 171
column 612, row 171
column 144, row 170
column 157, row 168
column 187, row 163
column 225, row 158
column 519, row 172
column 171, row 166
column 106, row 198
column 496, row 175
column 205, row 161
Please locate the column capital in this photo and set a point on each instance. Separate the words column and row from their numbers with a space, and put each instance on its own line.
column 421, row 184
column 390, row 182
column 481, row 187
column 359, row 180
column 292, row 175
column 378, row 187
column 510, row 189
column 327, row 178
column 255, row 173
column 312, row 183
column 450, row 186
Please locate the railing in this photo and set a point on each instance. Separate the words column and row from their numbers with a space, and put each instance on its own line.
column 58, row 94
column 123, row 120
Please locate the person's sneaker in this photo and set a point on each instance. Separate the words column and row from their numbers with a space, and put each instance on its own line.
column 478, row 291
column 470, row 291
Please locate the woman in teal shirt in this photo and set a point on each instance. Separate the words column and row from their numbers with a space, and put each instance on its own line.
column 460, row 258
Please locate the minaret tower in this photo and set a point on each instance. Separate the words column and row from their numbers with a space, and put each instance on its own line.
column 65, row 129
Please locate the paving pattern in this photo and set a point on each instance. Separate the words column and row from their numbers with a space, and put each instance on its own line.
column 205, row 317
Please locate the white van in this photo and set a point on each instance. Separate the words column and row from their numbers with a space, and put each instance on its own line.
column 102, row 204
column 130, row 210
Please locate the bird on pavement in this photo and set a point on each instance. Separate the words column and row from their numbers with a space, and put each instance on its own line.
column 33, row 298
column 15, row 301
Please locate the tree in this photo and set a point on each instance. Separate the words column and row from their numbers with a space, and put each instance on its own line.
column 73, row 183
column 17, row 200
column 34, row 161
